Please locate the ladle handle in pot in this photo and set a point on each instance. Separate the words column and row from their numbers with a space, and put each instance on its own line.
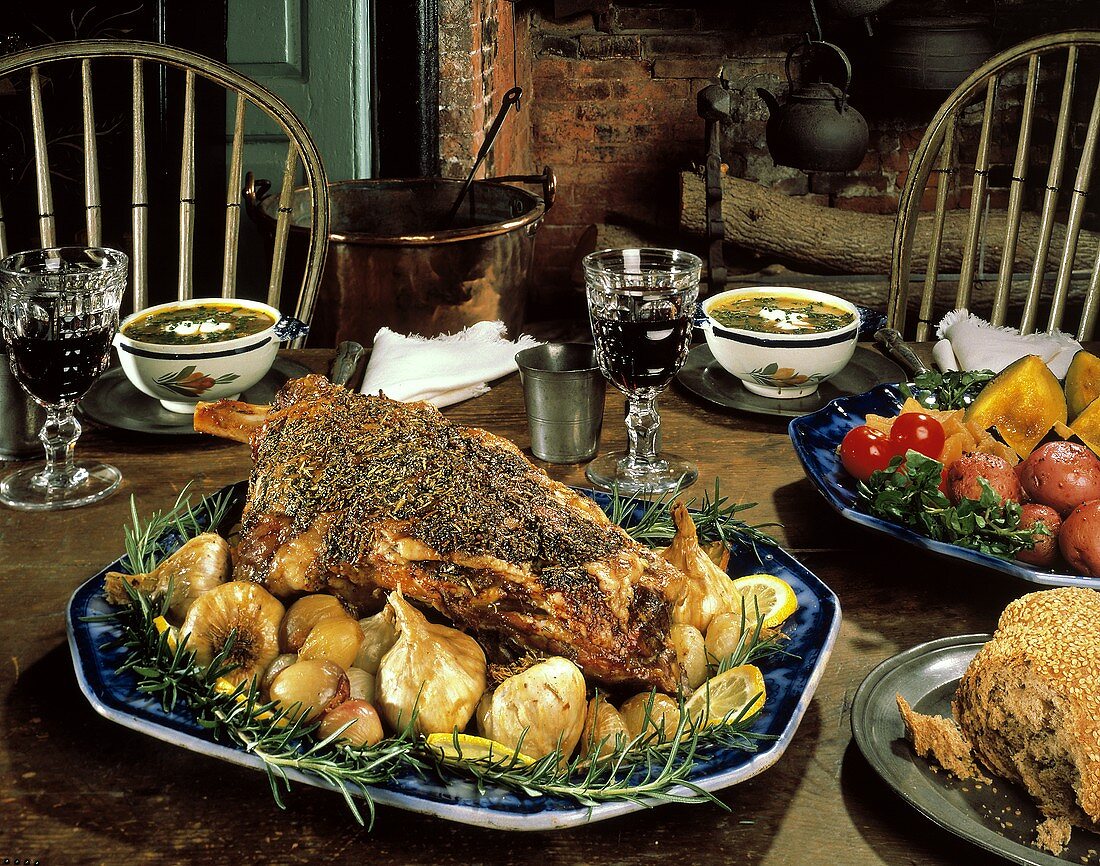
column 548, row 179
column 812, row 45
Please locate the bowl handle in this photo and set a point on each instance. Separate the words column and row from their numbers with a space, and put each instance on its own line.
column 289, row 328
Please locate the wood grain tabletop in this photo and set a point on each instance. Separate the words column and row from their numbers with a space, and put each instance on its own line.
column 77, row 789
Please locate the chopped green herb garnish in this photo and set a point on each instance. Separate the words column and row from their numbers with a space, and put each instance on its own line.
column 908, row 493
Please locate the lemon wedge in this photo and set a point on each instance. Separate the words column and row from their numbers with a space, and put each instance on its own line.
column 471, row 748
column 774, row 597
column 737, row 693
column 162, row 625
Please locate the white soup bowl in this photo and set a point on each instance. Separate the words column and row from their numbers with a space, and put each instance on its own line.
column 783, row 366
column 180, row 376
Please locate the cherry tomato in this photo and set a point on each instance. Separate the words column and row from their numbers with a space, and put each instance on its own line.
column 865, row 450
column 917, row 432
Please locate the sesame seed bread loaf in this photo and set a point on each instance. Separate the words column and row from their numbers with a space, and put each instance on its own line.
column 1029, row 703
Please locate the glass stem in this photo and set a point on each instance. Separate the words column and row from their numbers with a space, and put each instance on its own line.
column 59, row 435
column 642, row 424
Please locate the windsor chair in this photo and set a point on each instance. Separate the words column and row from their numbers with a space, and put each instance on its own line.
column 1055, row 253
column 192, row 67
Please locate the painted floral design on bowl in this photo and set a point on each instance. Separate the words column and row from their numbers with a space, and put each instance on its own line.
column 190, row 382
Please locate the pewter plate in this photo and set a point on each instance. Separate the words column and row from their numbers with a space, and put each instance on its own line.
column 114, row 402
column 704, row 377
column 1000, row 817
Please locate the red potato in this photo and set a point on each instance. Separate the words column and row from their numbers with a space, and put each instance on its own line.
column 962, row 477
column 1045, row 550
column 1080, row 538
column 1061, row 475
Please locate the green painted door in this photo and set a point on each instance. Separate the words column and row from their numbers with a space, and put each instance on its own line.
column 315, row 55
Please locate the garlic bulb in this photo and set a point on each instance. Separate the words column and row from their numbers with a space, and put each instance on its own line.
column 438, row 670
column 687, row 640
column 604, row 729
column 201, row 564
column 543, row 705
column 706, row 590
column 379, row 635
column 648, row 712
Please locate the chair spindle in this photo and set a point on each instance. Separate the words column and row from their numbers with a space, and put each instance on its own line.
column 1050, row 197
column 187, row 191
column 977, row 199
column 139, row 274
column 47, row 229
column 1016, row 195
column 944, row 174
column 282, row 227
column 1076, row 212
column 92, row 203
column 233, row 203
column 1092, row 303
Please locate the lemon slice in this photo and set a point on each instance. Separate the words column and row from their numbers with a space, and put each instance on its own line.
column 737, row 694
column 226, row 687
column 471, row 748
column 774, row 597
column 162, row 625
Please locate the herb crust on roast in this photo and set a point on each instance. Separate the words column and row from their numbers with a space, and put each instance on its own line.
column 358, row 495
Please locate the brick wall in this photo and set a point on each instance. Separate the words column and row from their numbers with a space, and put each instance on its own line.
column 475, row 70
column 611, row 106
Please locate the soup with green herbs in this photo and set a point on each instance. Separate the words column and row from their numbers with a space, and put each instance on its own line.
column 780, row 314
column 196, row 324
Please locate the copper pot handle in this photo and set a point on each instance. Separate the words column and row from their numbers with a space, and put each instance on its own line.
column 548, row 179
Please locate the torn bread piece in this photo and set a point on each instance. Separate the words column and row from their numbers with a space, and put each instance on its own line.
column 941, row 740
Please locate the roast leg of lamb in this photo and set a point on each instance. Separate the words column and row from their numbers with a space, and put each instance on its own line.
column 358, row 495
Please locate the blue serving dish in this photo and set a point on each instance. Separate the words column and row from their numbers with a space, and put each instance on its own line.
column 816, row 438
column 790, row 681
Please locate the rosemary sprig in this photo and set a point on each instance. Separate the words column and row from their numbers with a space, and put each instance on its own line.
column 716, row 519
column 651, row 767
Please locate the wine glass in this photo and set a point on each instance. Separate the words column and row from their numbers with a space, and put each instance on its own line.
column 59, row 312
column 641, row 304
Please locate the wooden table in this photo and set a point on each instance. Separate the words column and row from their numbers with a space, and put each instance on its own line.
column 77, row 789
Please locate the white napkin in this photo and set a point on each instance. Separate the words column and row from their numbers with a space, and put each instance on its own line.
column 970, row 343
column 441, row 370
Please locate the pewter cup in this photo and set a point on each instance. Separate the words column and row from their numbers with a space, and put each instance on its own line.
column 563, row 390
column 20, row 417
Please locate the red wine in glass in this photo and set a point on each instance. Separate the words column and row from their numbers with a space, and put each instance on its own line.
column 635, row 355
column 60, row 368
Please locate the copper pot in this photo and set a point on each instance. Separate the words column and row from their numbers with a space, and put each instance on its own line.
column 390, row 264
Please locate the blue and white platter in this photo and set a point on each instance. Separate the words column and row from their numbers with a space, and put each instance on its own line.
column 790, row 681
column 816, row 438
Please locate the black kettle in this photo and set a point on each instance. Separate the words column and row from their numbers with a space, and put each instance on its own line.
column 815, row 129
